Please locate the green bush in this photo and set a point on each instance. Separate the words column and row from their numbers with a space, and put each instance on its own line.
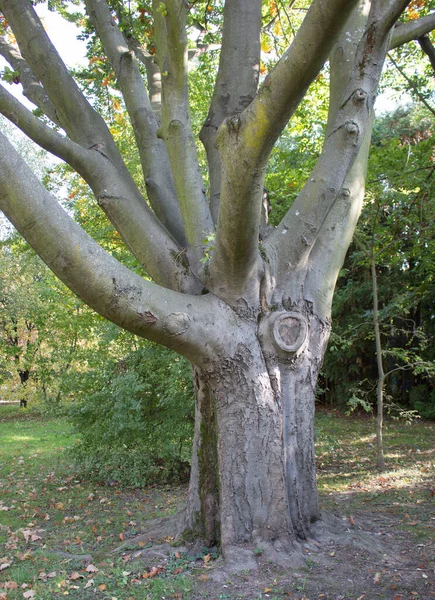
column 137, row 426
column 422, row 399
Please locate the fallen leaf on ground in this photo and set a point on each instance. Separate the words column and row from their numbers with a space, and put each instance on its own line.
column 89, row 584
column 121, row 537
column 351, row 520
column 29, row 594
column 91, row 569
column 377, row 578
column 207, row 558
column 178, row 571
column 203, row 578
column 4, row 565
column 11, row 585
column 30, row 536
column 102, row 587
column 75, row 575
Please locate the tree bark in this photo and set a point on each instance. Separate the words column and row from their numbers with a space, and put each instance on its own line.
column 381, row 374
column 253, row 480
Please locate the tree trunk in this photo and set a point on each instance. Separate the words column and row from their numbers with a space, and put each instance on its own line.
column 381, row 374
column 253, row 479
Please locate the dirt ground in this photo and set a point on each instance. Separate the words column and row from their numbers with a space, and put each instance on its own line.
column 368, row 556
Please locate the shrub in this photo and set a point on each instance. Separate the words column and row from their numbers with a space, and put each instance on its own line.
column 422, row 399
column 137, row 427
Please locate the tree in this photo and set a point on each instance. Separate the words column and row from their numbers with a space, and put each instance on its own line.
column 395, row 232
column 252, row 315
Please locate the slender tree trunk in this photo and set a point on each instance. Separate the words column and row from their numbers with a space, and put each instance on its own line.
column 381, row 374
column 253, row 478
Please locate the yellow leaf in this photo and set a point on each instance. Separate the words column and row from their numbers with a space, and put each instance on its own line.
column 102, row 587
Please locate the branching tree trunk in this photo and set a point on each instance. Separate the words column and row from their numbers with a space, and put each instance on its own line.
column 253, row 323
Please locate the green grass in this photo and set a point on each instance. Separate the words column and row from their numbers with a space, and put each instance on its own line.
column 48, row 513
column 347, row 474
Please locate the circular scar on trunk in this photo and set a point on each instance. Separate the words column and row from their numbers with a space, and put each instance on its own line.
column 285, row 332
column 176, row 323
column 289, row 331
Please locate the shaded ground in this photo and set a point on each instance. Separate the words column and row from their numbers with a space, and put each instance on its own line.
column 60, row 536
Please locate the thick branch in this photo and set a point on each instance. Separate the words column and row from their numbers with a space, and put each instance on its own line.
column 428, row 48
column 118, row 198
column 32, row 89
column 154, row 77
column 176, row 130
column 176, row 320
column 236, row 82
column 153, row 154
column 81, row 122
column 40, row 133
column 335, row 236
column 288, row 82
column 350, row 121
column 390, row 13
column 246, row 140
column 412, row 30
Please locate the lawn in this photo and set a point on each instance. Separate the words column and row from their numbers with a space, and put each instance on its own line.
column 62, row 536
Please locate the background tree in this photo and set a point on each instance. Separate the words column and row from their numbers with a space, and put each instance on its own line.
column 396, row 228
column 253, row 318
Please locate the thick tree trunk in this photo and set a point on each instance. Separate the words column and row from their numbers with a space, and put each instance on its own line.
column 253, row 478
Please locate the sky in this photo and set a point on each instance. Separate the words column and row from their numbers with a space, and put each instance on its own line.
column 64, row 36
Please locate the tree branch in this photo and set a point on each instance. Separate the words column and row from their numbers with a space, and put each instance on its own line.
column 428, row 48
column 152, row 150
column 178, row 321
column 154, row 77
column 81, row 122
column 32, row 89
column 119, row 199
column 240, row 54
column 246, row 140
column 413, row 86
column 412, row 30
column 176, row 130
column 348, row 126
column 335, row 236
column 289, row 80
